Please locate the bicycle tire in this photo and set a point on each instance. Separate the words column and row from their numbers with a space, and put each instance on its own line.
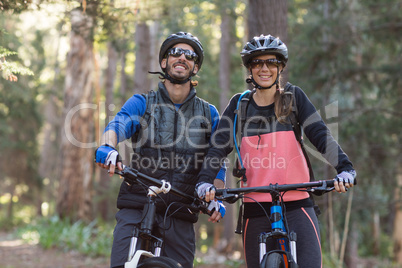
column 273, row 260
column 159, row 262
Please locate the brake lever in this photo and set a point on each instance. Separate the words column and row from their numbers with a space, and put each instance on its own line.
column 229, row 198
column 321, row 190
column 202, row 206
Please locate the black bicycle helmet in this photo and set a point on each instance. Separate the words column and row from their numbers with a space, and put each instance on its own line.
column 264, row 44
column 182, row 37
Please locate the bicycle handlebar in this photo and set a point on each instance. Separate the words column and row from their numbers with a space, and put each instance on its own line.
column 315, row 187
column 132, row 175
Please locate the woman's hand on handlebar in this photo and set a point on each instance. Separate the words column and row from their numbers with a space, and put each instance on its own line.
column 341, row 187
column 218, row 211
column 217, row 215
column 206, row 191
column 345, row 180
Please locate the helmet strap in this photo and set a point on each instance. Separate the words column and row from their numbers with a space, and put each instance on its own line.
column 173, row 80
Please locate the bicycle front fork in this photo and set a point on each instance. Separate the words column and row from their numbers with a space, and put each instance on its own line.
column 293, row 238
column 279, row 232
column 157, row 243
column 262, row 240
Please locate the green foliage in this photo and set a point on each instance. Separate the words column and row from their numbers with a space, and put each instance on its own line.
column 14, row 6
column 9, row 69
column 94, row 239
column 350, row 52
column 329, row 261
column 23, row 215
column 19, row 126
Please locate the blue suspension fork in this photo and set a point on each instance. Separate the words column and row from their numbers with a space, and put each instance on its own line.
column 278, row 232
column 278, row 226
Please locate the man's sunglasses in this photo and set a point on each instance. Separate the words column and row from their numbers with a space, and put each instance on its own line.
column 271, row 63
column 177, row 52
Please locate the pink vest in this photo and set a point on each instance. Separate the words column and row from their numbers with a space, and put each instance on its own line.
column 274, row 158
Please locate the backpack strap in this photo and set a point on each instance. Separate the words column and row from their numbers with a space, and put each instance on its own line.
column 146, row 118
column 297, row 129
column 207, row 115
column 238, row 132
column 242, row 111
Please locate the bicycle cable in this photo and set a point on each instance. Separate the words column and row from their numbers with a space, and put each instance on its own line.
column 261, row 206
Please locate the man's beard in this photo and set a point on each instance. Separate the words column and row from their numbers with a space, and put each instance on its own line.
column 181, row 76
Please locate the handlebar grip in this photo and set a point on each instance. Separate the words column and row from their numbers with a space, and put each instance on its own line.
column 219, row 192
column 330, row 183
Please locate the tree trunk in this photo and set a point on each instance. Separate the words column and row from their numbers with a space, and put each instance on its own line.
column 224, row 84
column 154, row 51
column 268, row 17
column 224, row 59
column 397, row 234
column 74, row 199
column 123, row 77
column 142, row 58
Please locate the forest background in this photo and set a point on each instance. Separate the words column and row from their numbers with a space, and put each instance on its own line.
column 68, row 66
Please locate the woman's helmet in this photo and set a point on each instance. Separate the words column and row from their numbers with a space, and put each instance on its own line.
column 182, row 37
column 264, row 44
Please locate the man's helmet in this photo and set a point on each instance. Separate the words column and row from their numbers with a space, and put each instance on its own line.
column 264, row 44
column 182, row 37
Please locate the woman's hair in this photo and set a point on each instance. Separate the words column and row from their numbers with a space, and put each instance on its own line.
column 283, row 104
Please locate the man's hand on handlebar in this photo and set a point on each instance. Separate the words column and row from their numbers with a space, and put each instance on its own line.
column 345, row 180
column 107, row 157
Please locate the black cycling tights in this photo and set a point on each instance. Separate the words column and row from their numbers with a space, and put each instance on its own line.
column 303, row 221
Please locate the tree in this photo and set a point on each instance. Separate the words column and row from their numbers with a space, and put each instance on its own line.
column 142, row 58
column 74, row 199
column 19, row 122
column 348, row 51
column 268, row 17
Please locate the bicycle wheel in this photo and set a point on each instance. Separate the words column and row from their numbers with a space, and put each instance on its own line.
column 159, row 262
column 273, row 260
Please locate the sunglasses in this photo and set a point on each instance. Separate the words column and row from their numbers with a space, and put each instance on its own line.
column 271, row 63
column 177, row 52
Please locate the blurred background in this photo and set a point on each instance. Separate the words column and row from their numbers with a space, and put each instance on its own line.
column 68, row 66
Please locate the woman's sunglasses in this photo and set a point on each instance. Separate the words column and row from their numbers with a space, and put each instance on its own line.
column 177, row 52
column 271, row 63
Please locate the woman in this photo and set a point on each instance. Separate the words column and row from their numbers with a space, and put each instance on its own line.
column 270, row 152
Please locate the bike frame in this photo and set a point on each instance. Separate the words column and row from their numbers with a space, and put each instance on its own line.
column 149, row 240
column 286, row 241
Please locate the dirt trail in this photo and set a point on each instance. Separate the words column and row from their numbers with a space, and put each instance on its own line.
column 14, row 253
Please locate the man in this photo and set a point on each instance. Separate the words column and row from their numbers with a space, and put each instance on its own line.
column 170, row 130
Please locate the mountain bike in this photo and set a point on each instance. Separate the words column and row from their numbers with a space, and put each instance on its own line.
column 285, row 255
column 148, row 254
